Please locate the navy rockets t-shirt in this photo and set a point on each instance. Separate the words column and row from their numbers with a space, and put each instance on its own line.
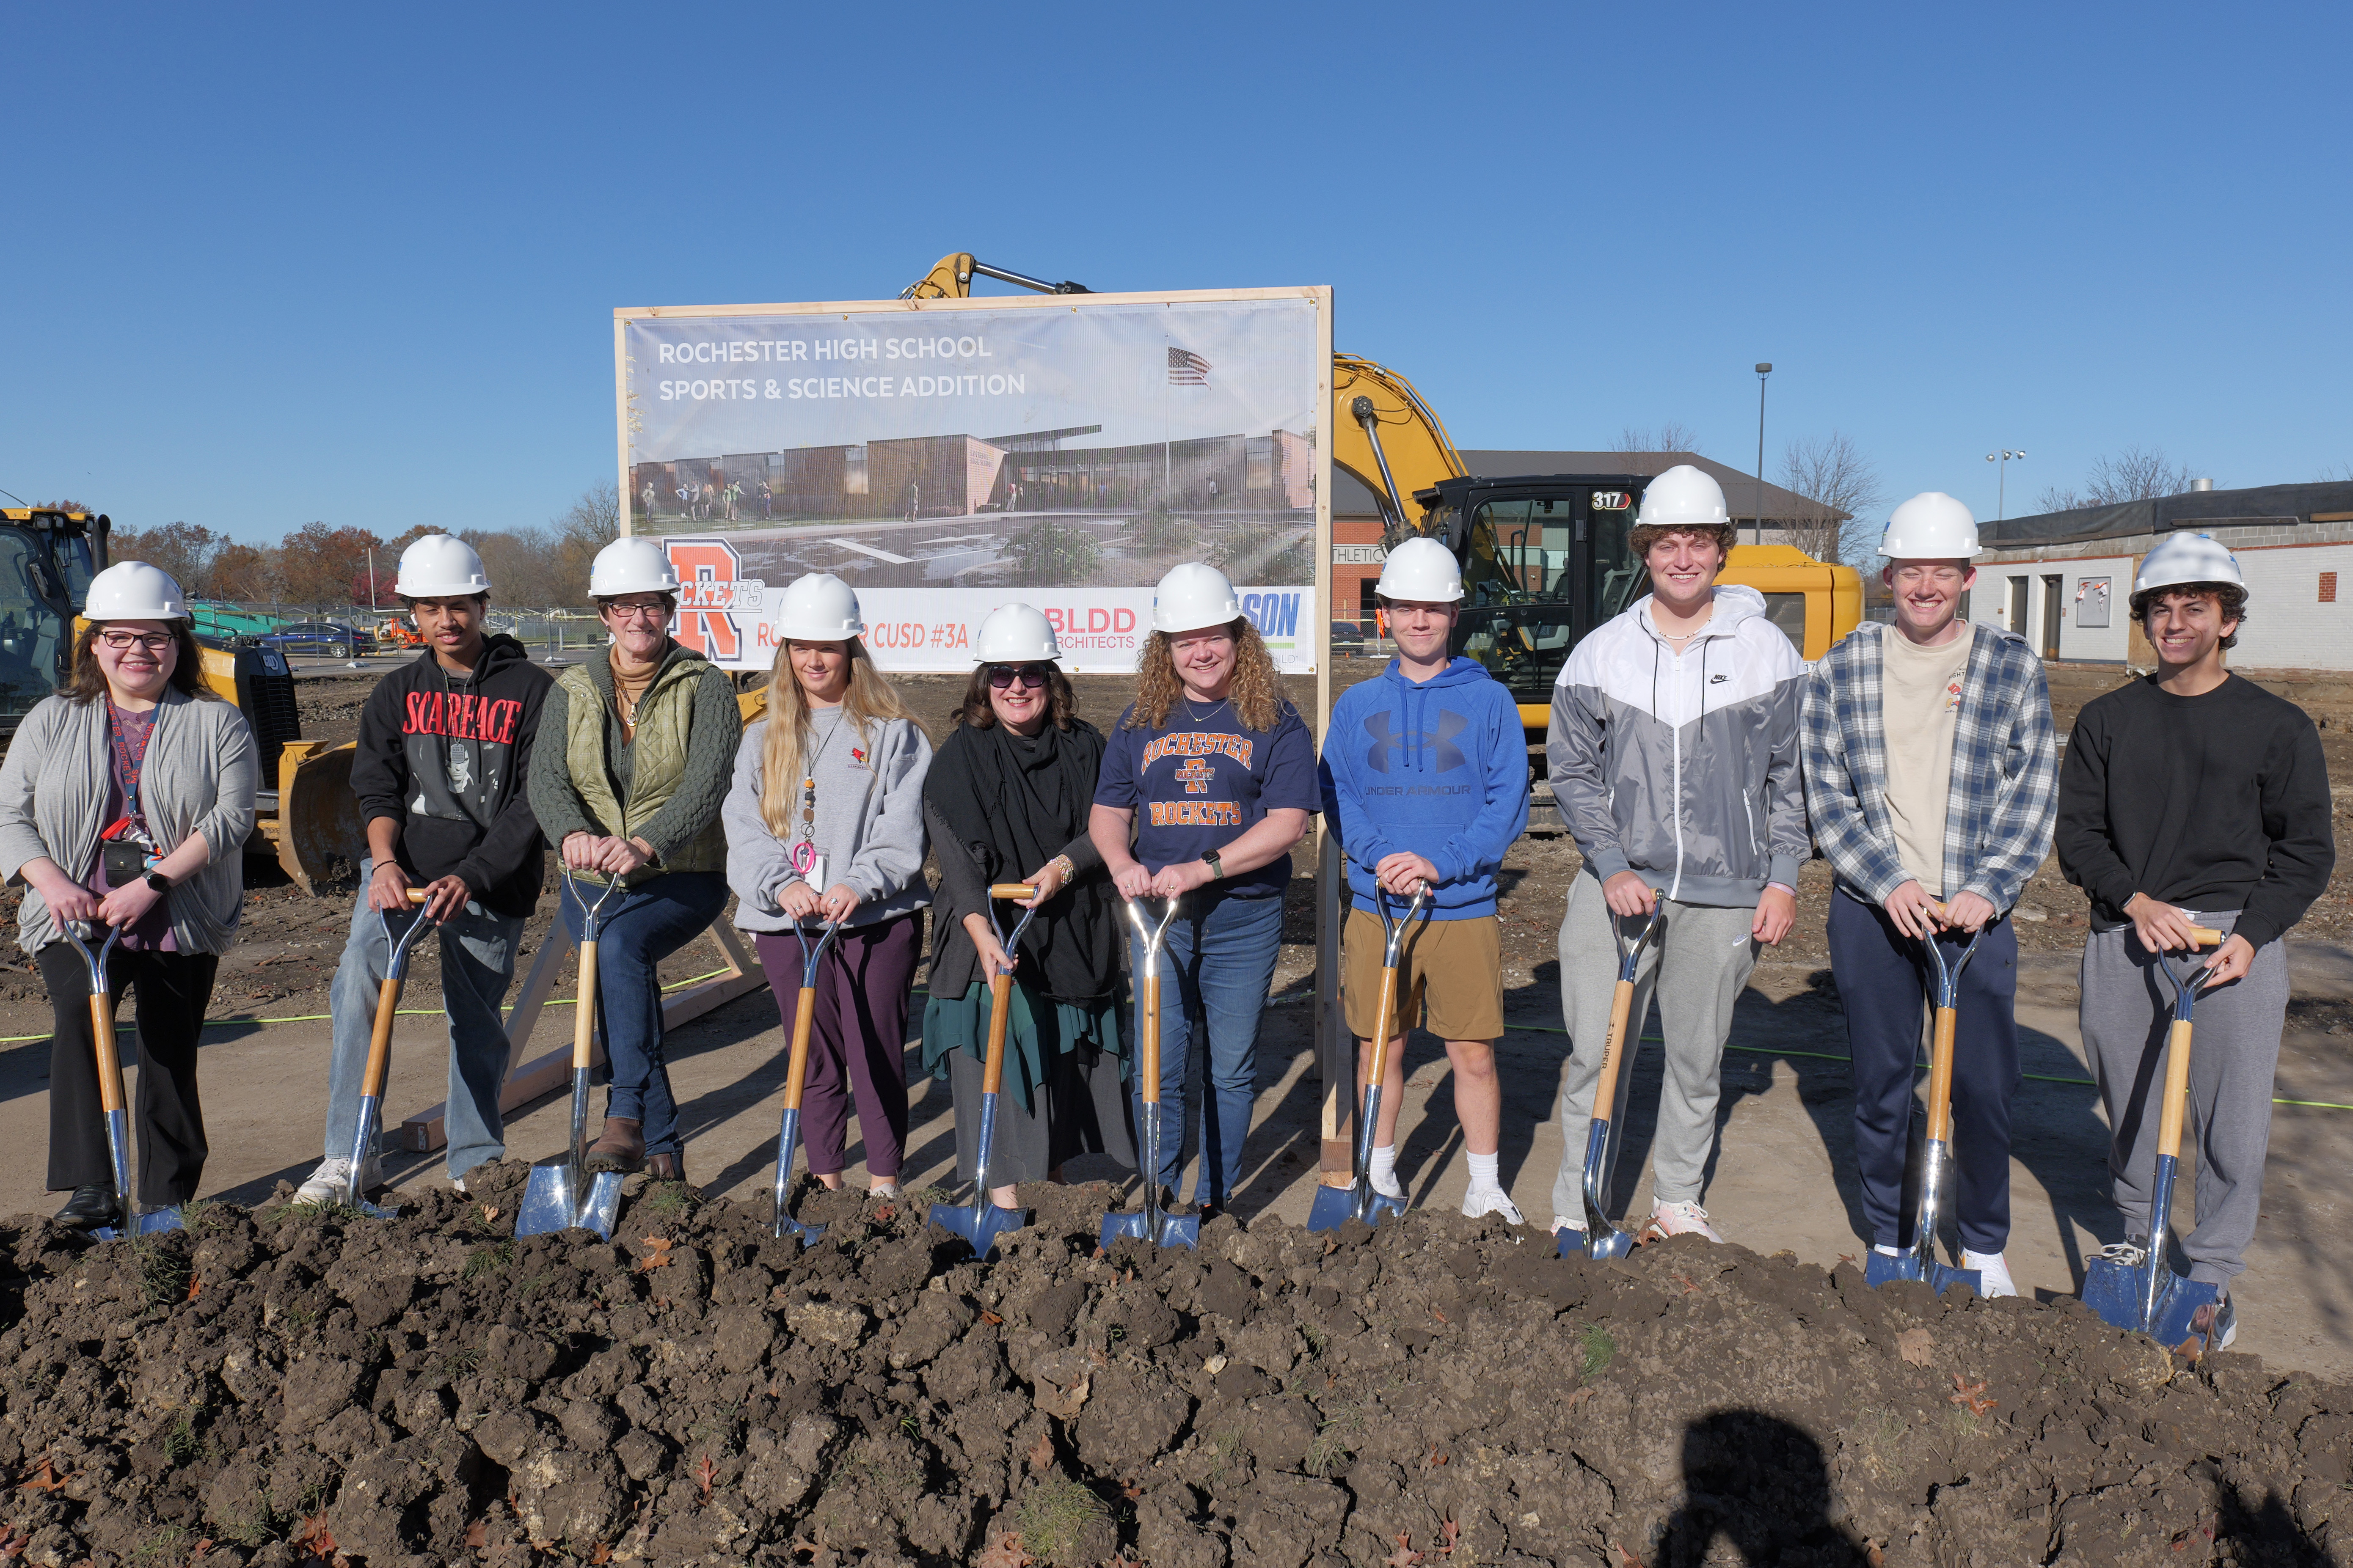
column 1195, row 786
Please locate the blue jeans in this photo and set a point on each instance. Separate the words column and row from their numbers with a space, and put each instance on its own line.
column 478, row 960
column 1214, row 972
column 639, row 928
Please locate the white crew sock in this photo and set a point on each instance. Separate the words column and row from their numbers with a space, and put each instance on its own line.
column 1483, row 1169
column 1384, row 1171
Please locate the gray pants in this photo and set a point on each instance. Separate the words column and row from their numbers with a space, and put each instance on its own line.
column 2126, row 1011
column 1707, row 954
column 478, row 960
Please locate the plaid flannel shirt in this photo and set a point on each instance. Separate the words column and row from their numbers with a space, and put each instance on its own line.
column 2005, row 788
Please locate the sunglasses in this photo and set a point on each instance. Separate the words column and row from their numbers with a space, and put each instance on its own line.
column 1031, row 675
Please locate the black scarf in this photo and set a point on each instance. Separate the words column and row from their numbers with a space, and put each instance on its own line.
column 1015, row 806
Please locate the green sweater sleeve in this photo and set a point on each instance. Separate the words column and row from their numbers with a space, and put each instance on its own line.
column 553, row 801
column 711, row 736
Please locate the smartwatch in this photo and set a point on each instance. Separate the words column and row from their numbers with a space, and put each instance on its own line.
column 160, row 882
column 1217, row 872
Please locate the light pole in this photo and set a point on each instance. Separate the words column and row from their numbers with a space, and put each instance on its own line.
column 2001, row 485
column 1764, row 369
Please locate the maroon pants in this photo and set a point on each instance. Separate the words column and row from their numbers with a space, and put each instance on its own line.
column 858, row 1039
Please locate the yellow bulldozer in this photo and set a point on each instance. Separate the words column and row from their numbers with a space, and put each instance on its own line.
column 47, row 556
column 1545, row 557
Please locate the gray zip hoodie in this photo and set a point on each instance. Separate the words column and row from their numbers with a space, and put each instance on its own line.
column 869, row 821
column 1684, row 767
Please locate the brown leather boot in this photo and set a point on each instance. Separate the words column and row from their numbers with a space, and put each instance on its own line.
column 621, row 1147
column 669, row 1167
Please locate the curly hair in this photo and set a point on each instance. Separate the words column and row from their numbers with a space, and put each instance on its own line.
column 2229, row 598
column 1257, row 691
column 1641, row 536
column 974, row 712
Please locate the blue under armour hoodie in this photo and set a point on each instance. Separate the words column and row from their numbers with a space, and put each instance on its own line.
column 1439, row 769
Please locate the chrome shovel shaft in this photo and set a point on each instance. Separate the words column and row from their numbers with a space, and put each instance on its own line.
column 1602, row 1237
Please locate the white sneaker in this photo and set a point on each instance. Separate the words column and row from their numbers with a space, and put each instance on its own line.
column 1480, row 1202
column 1681, row 1219
column 1992, row 1271
column 458, row 1183
column 1563, row 1222
column 1886, row 1251
column 331, row 1182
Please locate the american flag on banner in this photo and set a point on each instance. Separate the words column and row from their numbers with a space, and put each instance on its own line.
column 1186, row 368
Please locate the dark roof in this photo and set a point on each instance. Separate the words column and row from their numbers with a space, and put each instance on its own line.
column 2270, row 505
column 1350, row 499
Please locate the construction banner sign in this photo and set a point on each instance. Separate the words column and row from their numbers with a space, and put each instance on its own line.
column 945, row 457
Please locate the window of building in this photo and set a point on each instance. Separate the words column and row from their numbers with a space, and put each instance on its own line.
column 853, row 471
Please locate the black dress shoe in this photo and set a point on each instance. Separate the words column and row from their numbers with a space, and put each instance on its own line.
column 88, row 1208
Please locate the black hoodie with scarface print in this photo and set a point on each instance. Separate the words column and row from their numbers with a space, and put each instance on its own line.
column 449, row 758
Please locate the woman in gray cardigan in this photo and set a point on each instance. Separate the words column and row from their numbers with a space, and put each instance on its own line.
column 125, row 801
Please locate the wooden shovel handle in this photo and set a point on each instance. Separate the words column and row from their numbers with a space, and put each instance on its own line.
column 1613, row 1051
column 1148, row 1048
column 2205, row 936
column 379, row 1060
column 584, row 1025
column 796, row 1068
column 1383, row 1024
column 1940, row 1077
column 2171, row 1112
column 1013, row 892
column 1000, row 1008
column 110, row 1063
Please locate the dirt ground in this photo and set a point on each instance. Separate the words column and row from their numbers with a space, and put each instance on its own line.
column 289, row 1386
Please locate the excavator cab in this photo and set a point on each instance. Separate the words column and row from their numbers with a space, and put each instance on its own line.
column 1545, row 561
column 47, row 557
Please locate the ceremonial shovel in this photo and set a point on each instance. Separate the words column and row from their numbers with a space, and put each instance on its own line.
column 128, row 1219
column 1154, row 1224
column 1334, row 1206
column 561, row 1194
column 982, row 1223
column 1601, row 1239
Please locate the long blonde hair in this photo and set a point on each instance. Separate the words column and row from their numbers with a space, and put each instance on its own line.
column 1257, row 691
column 871, row 701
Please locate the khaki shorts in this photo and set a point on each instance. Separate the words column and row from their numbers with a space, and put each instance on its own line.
column 1453, row 968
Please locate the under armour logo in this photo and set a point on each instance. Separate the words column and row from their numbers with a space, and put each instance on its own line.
column 1450, row 757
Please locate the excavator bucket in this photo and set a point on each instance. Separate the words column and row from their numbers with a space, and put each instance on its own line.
column 320, row 833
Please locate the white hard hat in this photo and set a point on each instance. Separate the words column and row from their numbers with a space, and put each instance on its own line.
column 134, row 591
column 2181, row 558
column 1931, row 526
column 1013, row 633
column 439, row 567
column 1422, row 570
column 631, row 566
column 819, row 607
column 1683, row 496
column 1191, row 596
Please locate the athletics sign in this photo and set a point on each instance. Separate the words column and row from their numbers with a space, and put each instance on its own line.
column 946, row 456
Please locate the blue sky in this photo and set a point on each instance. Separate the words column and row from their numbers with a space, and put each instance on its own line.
column 267, row 265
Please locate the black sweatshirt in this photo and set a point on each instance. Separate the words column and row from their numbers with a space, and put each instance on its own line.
column 471, row 819
column 2216, row 802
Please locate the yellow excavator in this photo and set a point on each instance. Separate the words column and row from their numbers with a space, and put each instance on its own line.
column 1545, row 557
column 47, row 556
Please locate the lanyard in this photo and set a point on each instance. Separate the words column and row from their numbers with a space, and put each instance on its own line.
column 127, row 762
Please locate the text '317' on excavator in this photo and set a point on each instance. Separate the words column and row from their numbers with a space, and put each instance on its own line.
column 47, row 557
column 1545, row 557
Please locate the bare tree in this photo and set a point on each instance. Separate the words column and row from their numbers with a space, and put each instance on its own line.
column 1672, row 436
column 2134, row 474
column 581, row 529
column 185, row 550
column 1836, row 486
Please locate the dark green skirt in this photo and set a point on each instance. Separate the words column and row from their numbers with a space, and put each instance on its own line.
column 1064, row 1090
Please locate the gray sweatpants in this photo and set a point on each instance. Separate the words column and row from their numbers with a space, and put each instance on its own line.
column 2126, row 1011
column 1706, row 953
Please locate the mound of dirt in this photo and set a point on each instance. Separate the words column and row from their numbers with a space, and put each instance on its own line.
column 291, row 1386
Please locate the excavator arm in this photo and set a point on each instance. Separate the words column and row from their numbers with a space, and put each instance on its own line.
column 1389, row 440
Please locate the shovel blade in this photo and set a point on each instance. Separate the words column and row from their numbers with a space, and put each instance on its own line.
column 1116, row 1225
column 1880, row 1269
column 1332, row 1207
column 547, row 1201
column 1569, row 1242
column 1943, row 1277
column 603, row 1208
column 2119, row 1293
column 1180, row 1230
column 2176, row 1308
column 809, row 1235
column 978, row 1224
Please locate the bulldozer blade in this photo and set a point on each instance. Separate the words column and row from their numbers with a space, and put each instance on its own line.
column 319, row 820
column 559, row 1197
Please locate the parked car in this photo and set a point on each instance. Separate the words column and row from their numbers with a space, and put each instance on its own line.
column 1348, row 640
column 334, row 639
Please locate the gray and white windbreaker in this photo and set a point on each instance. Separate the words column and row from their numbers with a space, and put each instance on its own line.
column 1684, row 767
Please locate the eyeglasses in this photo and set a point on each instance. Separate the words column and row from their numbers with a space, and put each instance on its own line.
column 1031, row 675
column 154, row 642
column 656, row 611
